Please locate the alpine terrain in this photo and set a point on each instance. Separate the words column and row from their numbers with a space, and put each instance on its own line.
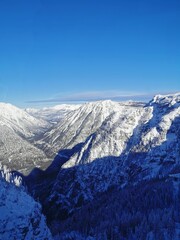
column 116, row 168
column 20, row 216
column 20, row 131
column 116, row 173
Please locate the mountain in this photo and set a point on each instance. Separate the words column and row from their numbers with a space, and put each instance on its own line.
column 136, row 130
column 18, row 130
column 130, row 145
column 21, row 133
column 52, row 114
column 20, row 215
column 79, row 124
column 111, row 148
column 20, row 121
column 116, row 169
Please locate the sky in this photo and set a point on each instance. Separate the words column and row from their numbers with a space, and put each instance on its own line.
column 54, row 51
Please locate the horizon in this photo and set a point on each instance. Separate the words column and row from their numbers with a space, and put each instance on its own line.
column 53, row 103
column 55, row 51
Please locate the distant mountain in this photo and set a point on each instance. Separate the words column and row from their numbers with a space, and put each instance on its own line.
column 18, row 130
column 20, row 215
column 20, row 121
column 52, row 114
column 107, row 145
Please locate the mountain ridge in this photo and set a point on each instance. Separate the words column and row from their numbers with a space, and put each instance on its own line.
column 149, row 137
column 105, row 148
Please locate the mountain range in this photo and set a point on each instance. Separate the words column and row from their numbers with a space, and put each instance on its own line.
column 20, row 131
column 108, row 156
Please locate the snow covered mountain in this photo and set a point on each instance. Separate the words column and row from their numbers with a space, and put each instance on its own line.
column 18, row 130
column 52, row 114
column 21, row 132
column 20, row 215
column 108, row 152
column 135, row 129
column 79, row 124
column 108, row 144
column 132, row 144
column 19, row 120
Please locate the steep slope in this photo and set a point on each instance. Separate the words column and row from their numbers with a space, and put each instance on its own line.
column 135, row 212
column 20, row 121
column 19, row 154
column 17, row 131
column 112, row 135
column 20, row 215
column 77, row 125
column 150, row 149
column 121, row 144
column 136, row 130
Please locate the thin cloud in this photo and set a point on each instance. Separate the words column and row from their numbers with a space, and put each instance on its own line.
column 96, row 96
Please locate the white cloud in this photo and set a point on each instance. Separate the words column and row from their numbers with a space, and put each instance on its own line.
column 97, row 95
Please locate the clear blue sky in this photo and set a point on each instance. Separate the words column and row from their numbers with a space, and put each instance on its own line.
column 55, row 49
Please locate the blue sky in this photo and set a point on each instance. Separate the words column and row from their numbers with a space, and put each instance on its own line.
column 53, row 50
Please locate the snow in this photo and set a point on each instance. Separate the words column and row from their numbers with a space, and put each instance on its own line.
column 17, row 128
column 170, row 99
column 17, row 152
column 120, row 144
column 115, row 127
column 19, row 120
column 79, row 124
column 21, row 216
column 52, row 114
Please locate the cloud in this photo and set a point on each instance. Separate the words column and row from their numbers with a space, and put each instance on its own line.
column 97, row 95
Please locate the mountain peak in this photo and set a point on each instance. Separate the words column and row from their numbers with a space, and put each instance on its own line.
column 101, row 106
column 170, row 99
column 18, row 119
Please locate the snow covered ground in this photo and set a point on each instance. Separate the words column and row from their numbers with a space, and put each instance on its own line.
column 20, row 216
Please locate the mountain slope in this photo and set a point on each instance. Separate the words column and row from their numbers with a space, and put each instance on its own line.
column 19, row 154
column 134, row 129
column 121, row 144
column 150, row 149
column 17, row 130
column 20, row 121
column 20, row 215
column 135, row 212
column 79, row 124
